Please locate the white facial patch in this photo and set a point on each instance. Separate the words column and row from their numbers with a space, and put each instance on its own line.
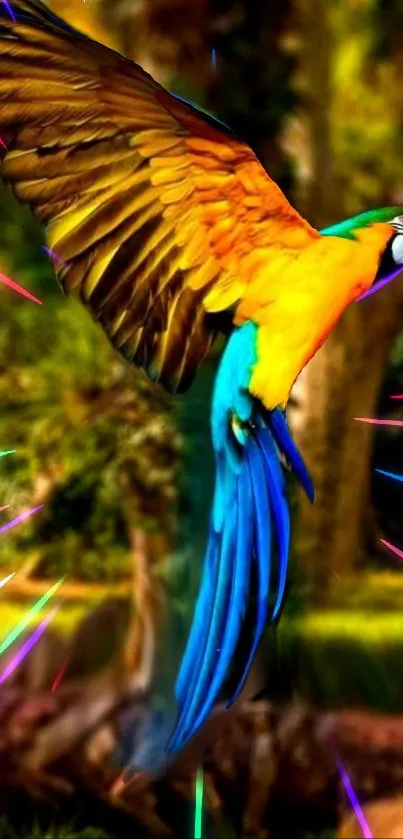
column 397, row 249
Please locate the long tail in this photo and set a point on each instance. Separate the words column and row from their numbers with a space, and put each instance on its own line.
column 250, row 516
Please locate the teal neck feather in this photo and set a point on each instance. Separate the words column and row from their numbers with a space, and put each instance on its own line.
column 345, row 229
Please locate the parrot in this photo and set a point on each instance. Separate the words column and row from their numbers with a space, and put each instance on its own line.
column 170, row 231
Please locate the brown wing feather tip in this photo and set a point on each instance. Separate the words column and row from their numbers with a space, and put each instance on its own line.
column 108, row 285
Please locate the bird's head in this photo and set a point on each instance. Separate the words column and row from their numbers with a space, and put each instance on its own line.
column 391, row 257
column 381, row 231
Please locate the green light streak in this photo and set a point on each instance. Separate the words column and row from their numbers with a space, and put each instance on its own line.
column 11, row 451
column 199, row 803
column 29, row 615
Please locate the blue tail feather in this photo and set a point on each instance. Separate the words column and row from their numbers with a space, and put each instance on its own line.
column 279, row 428
column 257, row 469
column 202, row 605
column 278, row 508
column 239, row 594
column 195, row 704
column 250, row 515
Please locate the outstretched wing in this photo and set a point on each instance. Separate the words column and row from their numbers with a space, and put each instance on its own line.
column 157, row 214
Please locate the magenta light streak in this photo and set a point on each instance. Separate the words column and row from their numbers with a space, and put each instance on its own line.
column 27, row 647
column 10, row 11
column 19, row 518
column 2, row 143
column 392, row 548
column 398, row 396
column 379, row 421
column 366, row 832
column 16, row 287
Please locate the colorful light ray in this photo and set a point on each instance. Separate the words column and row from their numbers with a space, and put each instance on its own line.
column 60, row 674
column 366, row 831
column 10, row 451
column 13, row 635
column 379, row 285
column 6, row 579
column 2, row 143
column 19, row 518
column 18, row 288
column 390, row 475
column 214, row 61
column 27, row 646
column 392, row 548
column 398, row 396
column 54, row 256
column 10, row 11
column 371, row 421
column 199, row 788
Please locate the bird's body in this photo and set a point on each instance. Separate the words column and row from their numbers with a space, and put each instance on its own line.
column 169, row 229
column 295, row 306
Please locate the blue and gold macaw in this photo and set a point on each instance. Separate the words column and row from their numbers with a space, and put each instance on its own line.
column 170, row 231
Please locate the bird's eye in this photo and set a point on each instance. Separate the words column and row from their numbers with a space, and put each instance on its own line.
column 397, row 249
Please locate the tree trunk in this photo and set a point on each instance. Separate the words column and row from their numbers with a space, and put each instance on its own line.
column 342, row 382
column 148, row 601
column 316, row 63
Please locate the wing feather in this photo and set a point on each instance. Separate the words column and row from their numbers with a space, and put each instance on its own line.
column 154, row 208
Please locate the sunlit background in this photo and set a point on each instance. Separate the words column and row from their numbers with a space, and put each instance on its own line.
column 123, row 473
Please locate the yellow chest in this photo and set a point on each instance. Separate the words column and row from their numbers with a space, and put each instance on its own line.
column 297, row 303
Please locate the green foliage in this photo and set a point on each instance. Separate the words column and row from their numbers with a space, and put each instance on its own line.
column 338, row 659
column 96, row 433
column 365, row 121
column 371, row 591
column 65, row 619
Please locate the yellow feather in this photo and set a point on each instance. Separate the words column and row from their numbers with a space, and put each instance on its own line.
column 97, row 270
column 176, row 193
column 223, row 153
column 205, row 274
column 303, row 302
column 169, row 175
column 117, row 323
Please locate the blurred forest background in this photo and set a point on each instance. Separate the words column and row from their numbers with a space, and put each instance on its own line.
column 124, row 473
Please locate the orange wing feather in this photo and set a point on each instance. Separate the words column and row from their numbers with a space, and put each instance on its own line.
column 161, row 215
